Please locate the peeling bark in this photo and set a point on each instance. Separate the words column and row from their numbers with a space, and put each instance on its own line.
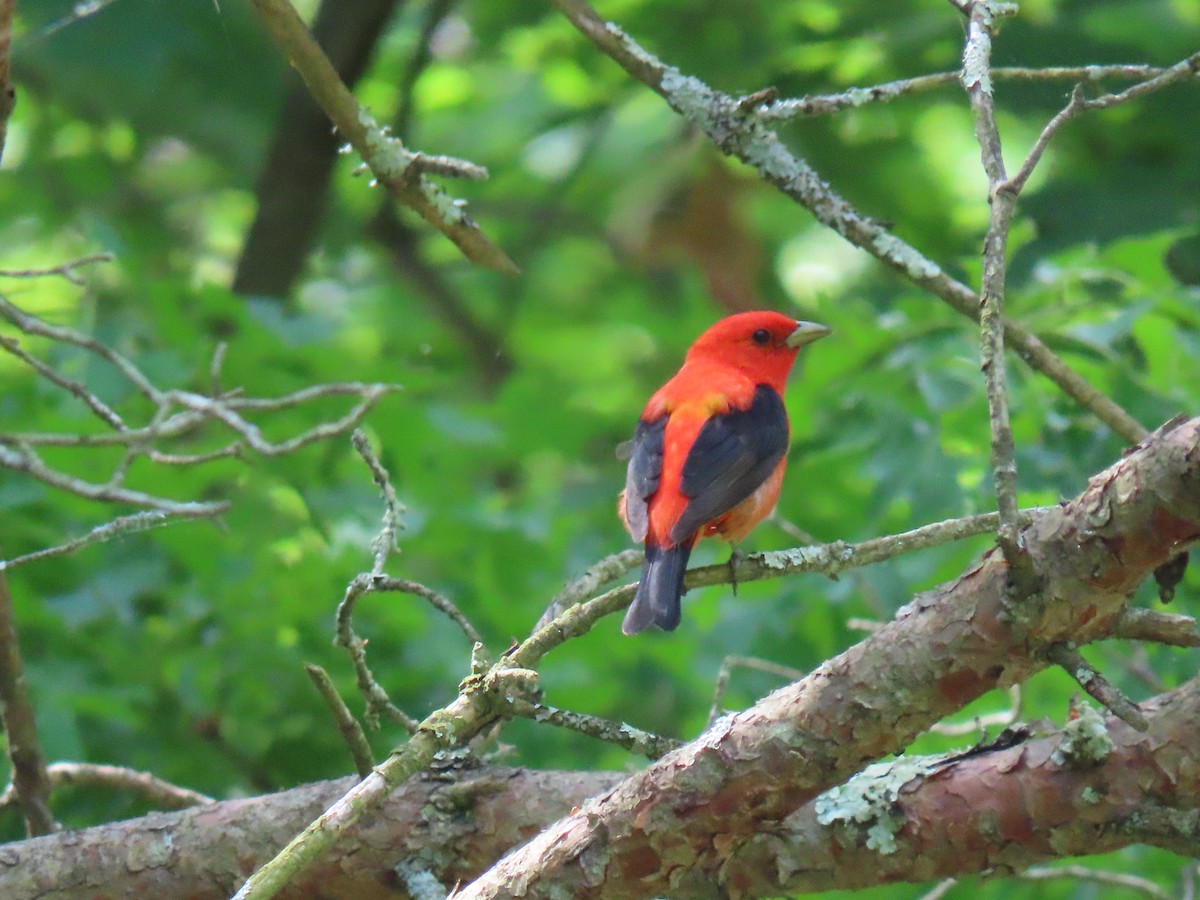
column 731, row 813
column 1002, row 811
column 674, row 827
column 451, row 825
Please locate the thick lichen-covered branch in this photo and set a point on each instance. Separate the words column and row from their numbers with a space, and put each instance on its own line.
column 653, row 834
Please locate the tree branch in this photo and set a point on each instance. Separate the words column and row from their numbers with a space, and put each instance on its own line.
column 292, row 191
column 176, row 413
column 977, row 81
column 741, row 134
column 948, row 815
column 827, row 104
column 652, row 835
column 390, row 162
column 454, row 825
column 153, row 790
column 1186, row 68
column 936, row 823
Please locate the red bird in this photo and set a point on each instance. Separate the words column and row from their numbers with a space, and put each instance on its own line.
column 708, row 454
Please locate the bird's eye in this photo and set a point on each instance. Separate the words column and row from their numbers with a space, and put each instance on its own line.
column 762, row 336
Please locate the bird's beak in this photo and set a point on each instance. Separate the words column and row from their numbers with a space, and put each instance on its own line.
column 806, row 333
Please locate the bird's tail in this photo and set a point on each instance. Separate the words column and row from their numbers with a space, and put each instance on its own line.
column 657, row 599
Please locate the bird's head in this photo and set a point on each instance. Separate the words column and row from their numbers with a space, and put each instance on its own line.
column 764, row 344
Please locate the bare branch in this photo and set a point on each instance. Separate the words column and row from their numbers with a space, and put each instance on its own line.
column 94, row 403
column 350, row 730
column 23, row 459
column 393, row 509
column 608, row 569
column 1079, row 103
column 1171, row 629
column 438, row 601
column 746, row 137
column 1098, row 876
column 141, row 521
column 356, row 648
column 154, row 790
column 67, row 270
column 1096, row 685
column 977, row 81
column 224, row 411
column 787, row 673
column 31, row 324
column 943, row 650
column 1003, row 719
column 826, row 104
column 482, row 701
column 644, row 743
column 389, row 160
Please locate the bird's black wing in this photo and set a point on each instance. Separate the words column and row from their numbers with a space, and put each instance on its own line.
column 643, row 474
column 733, row 455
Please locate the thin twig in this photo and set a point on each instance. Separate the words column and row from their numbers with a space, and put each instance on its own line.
column 980, row 724
column 215, row 366
column 1097, row 686
column 746, row 136
column 30, row 782
column 826, row 104
column 347, row 725
column 721, row 684
column 141, row 521
column 644, row 743
column 942, row 888
column 977, row 81
column 393, row 510
column 24, row 460
column 1188, row 877
column 376, row 697
column 366, row 583
column 438, row 601
column 94, row 403
column 67, row 269
column 389, row 160
column 1099, row 876
column 224, row 412
column 31, row 324
column 481, row 702
column 601, row 573
column 1079, row 103
column 154, row 790
column 1172, row 629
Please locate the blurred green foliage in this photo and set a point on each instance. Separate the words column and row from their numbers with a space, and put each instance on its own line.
column 140, row 129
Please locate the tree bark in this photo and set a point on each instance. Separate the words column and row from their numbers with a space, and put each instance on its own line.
column 732, row 813
column 1001, row 809
column 675, row 828
column 451, row 825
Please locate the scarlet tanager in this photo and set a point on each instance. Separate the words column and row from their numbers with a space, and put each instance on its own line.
column 708, row 453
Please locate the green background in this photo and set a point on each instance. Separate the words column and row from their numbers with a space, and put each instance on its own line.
column 140, row 130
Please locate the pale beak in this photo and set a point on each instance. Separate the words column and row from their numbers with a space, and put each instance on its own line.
column 806, row 333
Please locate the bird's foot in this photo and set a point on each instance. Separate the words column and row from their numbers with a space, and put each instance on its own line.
column 735, row 557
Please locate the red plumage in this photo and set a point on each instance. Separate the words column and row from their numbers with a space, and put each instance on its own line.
column 709, row 452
